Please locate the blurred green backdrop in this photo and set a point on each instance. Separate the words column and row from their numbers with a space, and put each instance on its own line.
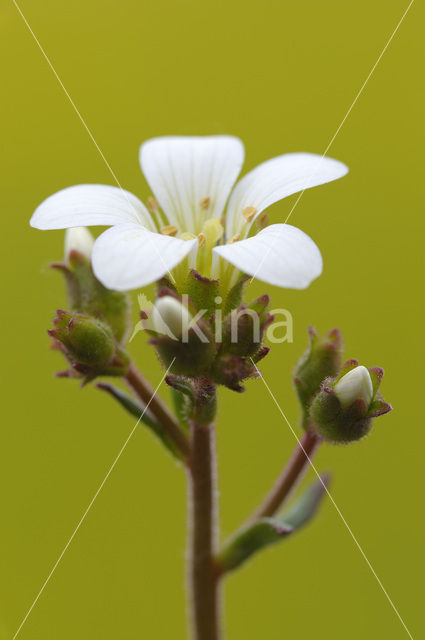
column 281, row 75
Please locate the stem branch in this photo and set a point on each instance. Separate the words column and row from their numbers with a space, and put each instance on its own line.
column 290, row 476
column 158, row 408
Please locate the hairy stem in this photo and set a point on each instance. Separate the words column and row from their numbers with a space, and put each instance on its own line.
column 202, row 497
column 159, row 409
column 290, row 476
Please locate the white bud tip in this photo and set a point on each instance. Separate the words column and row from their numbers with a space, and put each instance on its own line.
column 170, row 317
column 78, row 239
column 356, row 384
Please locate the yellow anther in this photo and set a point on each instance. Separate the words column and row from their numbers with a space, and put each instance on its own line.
column 201, row 239
column 213, row 230
column 169, row 230
column 248, row 213
column 187, row 236
column 204, row 203
column 235, row 238
column 152, row 205
column 262, row 220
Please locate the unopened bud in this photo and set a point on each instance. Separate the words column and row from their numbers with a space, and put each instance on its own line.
column 78, row 239
column 322, row 359
column 87, row 341
column 355, row 385
column 170, row 317
column 343, row 409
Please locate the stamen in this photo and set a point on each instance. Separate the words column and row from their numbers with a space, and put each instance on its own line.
column 204, row 203
column 235, row 238
column 187, row 236
column 152, row 205
column 201, row 239
column 262, row 220
column 248, row 213
column 169, row 230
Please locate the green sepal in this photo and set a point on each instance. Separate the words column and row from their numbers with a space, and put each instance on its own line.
column 202, row 292
column 268, row 531
column 183, row 397
column 346, row 367
column 378, row 407
column 234, row 297
column 136, row 410
column 180, row 408
column 376, row 375
column 165, row 283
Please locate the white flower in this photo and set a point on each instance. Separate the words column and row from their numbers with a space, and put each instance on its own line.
column 192, row 179
column 355, row 385
column 78, row 239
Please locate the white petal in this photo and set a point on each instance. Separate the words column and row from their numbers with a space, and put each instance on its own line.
column 356, row 384
column 183, row 171
column 276, row 179
column 128, row 256
column 280, row 254
column 90, row 204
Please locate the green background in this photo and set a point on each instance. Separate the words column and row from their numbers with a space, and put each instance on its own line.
column 281, row 75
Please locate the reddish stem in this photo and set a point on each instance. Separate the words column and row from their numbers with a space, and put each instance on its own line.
column 290, row 477
column 158, row 408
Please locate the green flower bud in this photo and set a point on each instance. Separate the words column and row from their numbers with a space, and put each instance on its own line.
column 322, row 359
column 85, row 293
column 343, row 409
column 87, row 341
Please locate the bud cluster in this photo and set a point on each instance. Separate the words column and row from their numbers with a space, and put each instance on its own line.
column 338, row 401
column 90, row 335
column 206, row 337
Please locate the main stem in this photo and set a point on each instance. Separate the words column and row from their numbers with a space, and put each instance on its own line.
column 290, row 476
column 202, row 496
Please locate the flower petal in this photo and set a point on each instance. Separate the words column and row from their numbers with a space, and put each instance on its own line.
column 280, row 254
column 191, row 177
column 276, row 179
column 90, row 204
column 128, row 256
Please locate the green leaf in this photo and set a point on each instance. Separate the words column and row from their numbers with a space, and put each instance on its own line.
column 138, row 412
column 180, row 408
column 268, row 531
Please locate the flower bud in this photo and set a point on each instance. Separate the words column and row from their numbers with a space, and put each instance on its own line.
column 355, row 385
column 89, row 345
column 170, row 317
column 78, row 239
column 180, row 336
column 322, row 359
column 244, row 327
column 85, row 293
column 343, row 409
column 88, row 341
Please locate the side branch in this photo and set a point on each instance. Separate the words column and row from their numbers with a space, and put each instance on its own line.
column 290, row 477
column 158, row 408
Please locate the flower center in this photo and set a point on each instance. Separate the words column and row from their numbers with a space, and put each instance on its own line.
column 212, row 232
